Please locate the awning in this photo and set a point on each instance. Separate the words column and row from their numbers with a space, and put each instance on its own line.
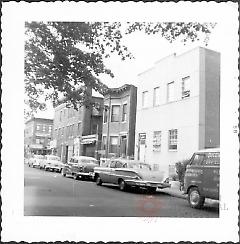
column 90, row 139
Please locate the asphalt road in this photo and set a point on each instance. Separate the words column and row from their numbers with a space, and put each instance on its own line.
column 51, row 194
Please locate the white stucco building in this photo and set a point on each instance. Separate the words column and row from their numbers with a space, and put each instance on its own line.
column 178, row 110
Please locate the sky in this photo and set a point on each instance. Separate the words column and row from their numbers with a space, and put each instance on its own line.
column 146, row 49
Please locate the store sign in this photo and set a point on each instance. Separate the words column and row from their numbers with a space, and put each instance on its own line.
column 89, row 139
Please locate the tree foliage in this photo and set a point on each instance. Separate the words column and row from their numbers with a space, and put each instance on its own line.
column 62, row 58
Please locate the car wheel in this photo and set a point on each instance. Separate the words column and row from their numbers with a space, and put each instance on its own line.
column 98, row 181
column 75, row 177
column 151, row 190
column 122, row 185
column 195, row 199
column 63, row 174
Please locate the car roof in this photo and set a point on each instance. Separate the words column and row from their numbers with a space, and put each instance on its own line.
column 209, row 150
column 84, row 157
column 124, row 160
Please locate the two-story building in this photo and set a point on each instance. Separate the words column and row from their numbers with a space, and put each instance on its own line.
column 178, row 109
column 37, row 136
column 119, row 118
column 77, row 132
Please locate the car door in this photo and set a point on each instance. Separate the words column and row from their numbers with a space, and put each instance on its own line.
column 194, row 171
column 108, row 172
column 211, row 175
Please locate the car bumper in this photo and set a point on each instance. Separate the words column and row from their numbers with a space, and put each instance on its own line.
column 87, row 174
column 146, row 184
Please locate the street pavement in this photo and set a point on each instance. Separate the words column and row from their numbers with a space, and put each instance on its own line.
column 51, row 194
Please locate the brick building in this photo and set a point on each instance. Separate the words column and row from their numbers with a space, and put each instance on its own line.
column 37, row 136
column 119, row 119
column 178, row 108
column 77, row 132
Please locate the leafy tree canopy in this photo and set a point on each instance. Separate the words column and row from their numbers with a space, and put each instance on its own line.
column 62, row 58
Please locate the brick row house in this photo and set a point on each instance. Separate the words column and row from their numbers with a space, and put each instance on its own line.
column 77, row 132
column 119, row 119
column 37, row 136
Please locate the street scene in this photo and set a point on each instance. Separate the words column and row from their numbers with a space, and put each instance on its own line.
column 50, row 194
column 146, row 148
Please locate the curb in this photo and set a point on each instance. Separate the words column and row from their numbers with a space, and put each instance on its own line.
column 174, row 194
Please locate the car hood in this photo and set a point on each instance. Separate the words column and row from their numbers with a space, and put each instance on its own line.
column 151, row 175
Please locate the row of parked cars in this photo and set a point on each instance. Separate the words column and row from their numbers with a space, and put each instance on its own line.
column 122, row 172
column 201, row 177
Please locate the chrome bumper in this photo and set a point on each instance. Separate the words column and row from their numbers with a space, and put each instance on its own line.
column 147, row 183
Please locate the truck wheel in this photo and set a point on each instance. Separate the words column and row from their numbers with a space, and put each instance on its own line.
column 98, row 181
column 195, row 199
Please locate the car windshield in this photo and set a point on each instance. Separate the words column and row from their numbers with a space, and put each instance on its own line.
column 136, row 165
column 88, row 161
column 213, row 158
column 53, row 158
column 39, row 156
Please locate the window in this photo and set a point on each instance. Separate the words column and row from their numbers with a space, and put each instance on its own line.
column 44, row 128
column 105, row 114
column 50, row 128
column 157, row 141
column 94, row 129
column 37, row 141
column 115, row 113
column 156, row 96
column 38, row 127
column 172, row 139
column 42, row 141
column 124, row 112
column 49, row 139
column 170, row 92
column 185, row 87
column 198, row 159
column 104, row 143
column 113, row 144
column 144, row 99
column 60, row 118
column 79, row 128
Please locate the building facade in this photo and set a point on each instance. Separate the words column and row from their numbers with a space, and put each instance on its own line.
column 37, row 136
column 77, row 132
column 119, row 118
column 178, row 108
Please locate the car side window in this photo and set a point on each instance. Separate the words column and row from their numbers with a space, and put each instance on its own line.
column 119, row 165
column 113, row 164
column 198, row 159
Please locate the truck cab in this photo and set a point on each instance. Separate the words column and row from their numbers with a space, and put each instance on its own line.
column 201, row 178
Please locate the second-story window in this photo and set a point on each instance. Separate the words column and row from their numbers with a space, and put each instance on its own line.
column 124, row 112
column 170, row 91
column 172, row 139
column 44, row 128
column 115, row 113
column 38, row 127
column 113, row 147
column 156, row 96
column 105, row 114
column 185, row 87
column 144, row 99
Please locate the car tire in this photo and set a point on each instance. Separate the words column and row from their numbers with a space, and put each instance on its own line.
column 62, row 173
column 195, row 199
column 75, row 177
column 151, row 190
column 98, row 180
column 122, row 185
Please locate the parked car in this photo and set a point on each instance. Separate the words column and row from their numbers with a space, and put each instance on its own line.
column 80, row 167
column 53, row 163
column 131, row 173
column 35, row 160
column 202, row 177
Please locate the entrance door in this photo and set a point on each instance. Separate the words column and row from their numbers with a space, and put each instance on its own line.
column 142, row 146
column 123, row 146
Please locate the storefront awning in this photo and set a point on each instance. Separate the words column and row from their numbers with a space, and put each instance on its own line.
column 90, row 139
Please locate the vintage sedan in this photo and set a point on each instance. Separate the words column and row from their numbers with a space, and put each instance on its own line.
column 131, row 173
column 80, row 167
column 52, row 163
column 35, row 160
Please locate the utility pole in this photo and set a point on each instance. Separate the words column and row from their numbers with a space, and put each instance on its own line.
column 108, row 124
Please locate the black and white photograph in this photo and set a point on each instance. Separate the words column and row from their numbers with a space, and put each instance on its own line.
column 120, row 120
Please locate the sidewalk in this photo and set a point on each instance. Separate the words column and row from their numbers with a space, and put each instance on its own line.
column 174, row 190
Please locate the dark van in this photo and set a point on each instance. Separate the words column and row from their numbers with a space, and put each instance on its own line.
column 202, row 177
